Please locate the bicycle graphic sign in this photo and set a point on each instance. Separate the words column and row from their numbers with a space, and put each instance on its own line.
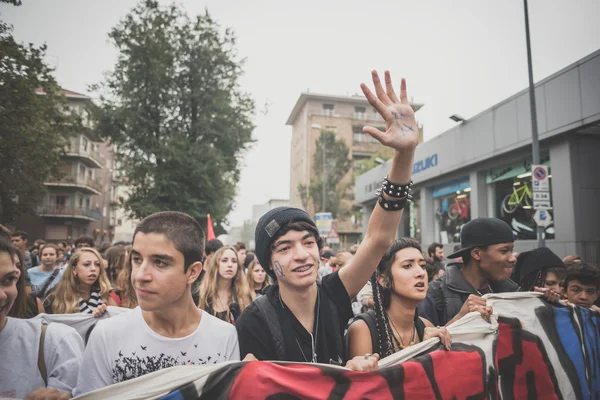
column 539, row 177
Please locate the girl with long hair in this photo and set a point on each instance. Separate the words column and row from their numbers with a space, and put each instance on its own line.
column 224, row 292
column 257, row 278
column 84, row 286
column 399, row 284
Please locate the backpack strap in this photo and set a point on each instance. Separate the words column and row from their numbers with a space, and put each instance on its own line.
column 41, row 360
column 370, row 319
column 48, row 283
column 269, row 315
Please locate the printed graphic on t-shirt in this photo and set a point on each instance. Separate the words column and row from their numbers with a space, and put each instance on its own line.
column 144, row 361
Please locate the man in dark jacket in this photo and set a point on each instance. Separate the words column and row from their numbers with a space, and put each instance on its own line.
column 487, row 253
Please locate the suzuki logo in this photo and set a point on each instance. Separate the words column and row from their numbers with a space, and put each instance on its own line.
column 422, row 165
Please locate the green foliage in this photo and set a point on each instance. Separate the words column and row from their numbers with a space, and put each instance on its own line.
column 34, row 127
column 382, row 154
column 175, row 110
column 337, row 164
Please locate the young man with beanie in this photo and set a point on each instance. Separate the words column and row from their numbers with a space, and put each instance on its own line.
column 487, row 253
column 540, row 270
column 298, row 319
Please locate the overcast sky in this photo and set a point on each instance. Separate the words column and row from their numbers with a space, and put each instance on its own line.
column 460, row 56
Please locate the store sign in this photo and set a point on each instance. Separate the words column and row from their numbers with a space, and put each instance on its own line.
column 425, row 164
column 324, row 221
column 512, row 170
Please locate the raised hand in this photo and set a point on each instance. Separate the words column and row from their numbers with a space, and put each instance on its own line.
column 401, row 131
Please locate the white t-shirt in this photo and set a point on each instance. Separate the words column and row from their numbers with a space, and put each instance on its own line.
column 19, row 348
column 125, row 347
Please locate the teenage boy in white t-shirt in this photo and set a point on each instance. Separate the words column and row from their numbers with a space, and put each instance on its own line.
column 167, row 328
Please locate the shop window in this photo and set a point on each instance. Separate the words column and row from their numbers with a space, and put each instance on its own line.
column 513, row 198
column 452, row 204
column 414, row 222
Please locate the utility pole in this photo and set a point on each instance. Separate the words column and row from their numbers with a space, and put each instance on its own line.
column 535, row 143
column 324, row 185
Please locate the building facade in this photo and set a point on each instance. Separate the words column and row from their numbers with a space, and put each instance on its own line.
column 77, row 203
column 345, row 116
column 482, row 167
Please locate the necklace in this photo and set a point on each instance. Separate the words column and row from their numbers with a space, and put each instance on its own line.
column 399, row 339
column 489, row 288
column 313, row 339
column 226, row 310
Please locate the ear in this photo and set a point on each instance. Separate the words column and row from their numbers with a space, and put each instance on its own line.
column 194, row 271
column 476, row 253
column 381, row 281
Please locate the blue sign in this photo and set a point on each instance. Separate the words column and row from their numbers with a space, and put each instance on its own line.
column 425, row 163
column 450, row 187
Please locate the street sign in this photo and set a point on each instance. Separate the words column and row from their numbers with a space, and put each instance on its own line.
column 539, row 178
column 542, row 205
column 323, row 221
column 333, row 237
column 542, row 218
column 541, row 196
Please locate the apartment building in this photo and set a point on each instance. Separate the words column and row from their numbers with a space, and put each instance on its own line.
column 346, row 116
column 77, row 203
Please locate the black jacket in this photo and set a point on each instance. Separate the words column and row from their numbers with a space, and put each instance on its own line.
column 446, row 295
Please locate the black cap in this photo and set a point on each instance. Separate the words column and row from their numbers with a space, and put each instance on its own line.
column 267, row 227
column 529, row 262
column 483, row 232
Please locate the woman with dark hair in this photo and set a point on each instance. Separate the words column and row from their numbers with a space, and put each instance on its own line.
column 26, row 305
column 399, row 284
column 38, row 360
column 540, row 270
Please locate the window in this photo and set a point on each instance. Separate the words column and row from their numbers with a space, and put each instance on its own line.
column 328, row 109
column 360, row 112
column 452, row 205
column 84, row 144
column 513, row 198
column 358, row 136
column 119, row 222
column 87, row 203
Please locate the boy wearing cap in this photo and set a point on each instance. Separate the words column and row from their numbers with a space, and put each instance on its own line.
column 487, row 253
column 298, row 319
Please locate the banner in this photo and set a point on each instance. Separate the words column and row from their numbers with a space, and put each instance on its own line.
column 530, row 349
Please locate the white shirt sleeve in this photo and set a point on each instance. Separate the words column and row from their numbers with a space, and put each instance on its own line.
column 95, row 370
column 365, row 294
column 63, row 349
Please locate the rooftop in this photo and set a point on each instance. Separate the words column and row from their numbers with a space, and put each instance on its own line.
column 356, row 99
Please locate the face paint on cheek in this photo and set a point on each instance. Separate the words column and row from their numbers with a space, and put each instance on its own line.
column 278, row 269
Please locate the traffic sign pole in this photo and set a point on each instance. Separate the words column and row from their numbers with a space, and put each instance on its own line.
column 535, row 144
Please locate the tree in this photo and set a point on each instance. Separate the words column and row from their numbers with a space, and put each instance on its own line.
column 337, row 164
column 174, row 108
column 34, row 127
column 367, row 164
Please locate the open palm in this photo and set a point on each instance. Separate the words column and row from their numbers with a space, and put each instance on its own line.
column 401, row 127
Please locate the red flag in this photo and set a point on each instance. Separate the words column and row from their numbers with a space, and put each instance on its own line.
column 209, row 228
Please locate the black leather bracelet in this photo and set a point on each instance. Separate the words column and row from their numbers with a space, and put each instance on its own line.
column 395, row 189
column 393, row 205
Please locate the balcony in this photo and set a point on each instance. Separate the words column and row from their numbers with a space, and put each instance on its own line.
column 69, row 212
column 90, row 185
column 85, row 153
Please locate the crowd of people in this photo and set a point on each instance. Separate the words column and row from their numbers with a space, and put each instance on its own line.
column 290, row 299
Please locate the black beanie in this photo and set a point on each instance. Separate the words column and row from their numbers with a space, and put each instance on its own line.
column 529, row 262
column 268, row 226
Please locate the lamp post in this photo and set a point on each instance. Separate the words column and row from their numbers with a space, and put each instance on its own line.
column 535, row 144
